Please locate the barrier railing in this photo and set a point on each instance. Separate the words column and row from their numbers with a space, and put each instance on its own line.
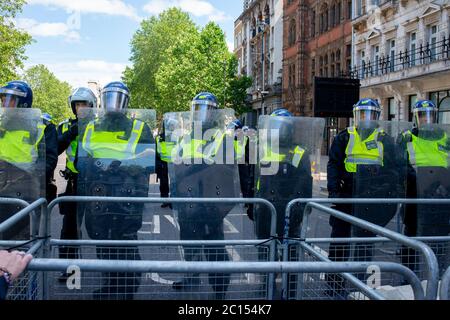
column 272, row 243
column 224, row 267
column 445, row 285
column 430, row 258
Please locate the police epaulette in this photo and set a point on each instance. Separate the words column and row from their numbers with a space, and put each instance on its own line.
column 63, row 122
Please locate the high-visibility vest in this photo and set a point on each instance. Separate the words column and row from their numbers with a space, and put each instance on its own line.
column 71, row 151
column 111, row 145
column 358, row 151
column 296, row 156
column 17, row 148
column 239, row 147
column 428, row 153
column 195, row 149
column 165, row 149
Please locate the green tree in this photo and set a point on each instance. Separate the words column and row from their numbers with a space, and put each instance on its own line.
column 148, row 48
column 12, row 40
column 49, row 93
column 200, row 62
column 173, row 60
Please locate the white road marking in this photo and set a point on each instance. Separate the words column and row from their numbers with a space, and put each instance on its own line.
column 155, row 224
column 230, row 226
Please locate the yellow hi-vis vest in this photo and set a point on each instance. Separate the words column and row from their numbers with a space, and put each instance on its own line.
column 369, row 151
column 195, row 149
column 239, row 147
column 111, row 145
column 16, row 147
column 71, row 151
column 165, row 149
column 428, row 153
column 270, row 156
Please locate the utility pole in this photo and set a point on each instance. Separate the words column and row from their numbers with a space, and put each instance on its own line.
column 224, row 81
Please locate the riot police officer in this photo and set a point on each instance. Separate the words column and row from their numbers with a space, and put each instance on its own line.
column 364, row 162
column 427, row 147
column 116, row 157
column 163, row 158
column 288, row 153
column 17, row 95
column 68, row 142
column 199, row 174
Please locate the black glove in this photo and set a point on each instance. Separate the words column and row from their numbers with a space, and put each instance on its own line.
column 73, row 131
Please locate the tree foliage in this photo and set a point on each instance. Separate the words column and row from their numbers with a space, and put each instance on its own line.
column 173, row 60
column 49, row 93
column 12, row 40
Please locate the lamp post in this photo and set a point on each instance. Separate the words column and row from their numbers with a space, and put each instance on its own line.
column 262, row 92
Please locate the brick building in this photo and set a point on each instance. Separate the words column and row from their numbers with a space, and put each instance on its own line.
column 317, row 42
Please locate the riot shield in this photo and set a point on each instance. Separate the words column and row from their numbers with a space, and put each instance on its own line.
column 429, row 151
column 203, row 163
column 289, row 155
column 203, row 166
column 115, row 159
column 22, row 163
column 379, row 169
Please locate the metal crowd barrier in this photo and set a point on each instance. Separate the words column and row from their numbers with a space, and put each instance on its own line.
column 266, row 250
column 29, row 285
column 430, row 260
column 224, row 267
column 34, row 283
column 445, row 285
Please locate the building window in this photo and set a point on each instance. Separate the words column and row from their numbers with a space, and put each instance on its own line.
column 444, row 111
column 321, row 66
column 349, row 9
column 332, row 16
column 292, row 33
column 375, row 59
column 338, row 12
column 313, row 69
column 391, row 44
column 412, row 103
column 313, row 24
column 432, row 42
column 338, row 63
column 362, row 56
column 392, row 109
column 325, row 62
column 412, row 48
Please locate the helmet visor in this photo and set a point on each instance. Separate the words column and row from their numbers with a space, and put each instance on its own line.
column 202, row 111
column 114, row 101
column 365, row 117
column 425, row 116
column 9, row 100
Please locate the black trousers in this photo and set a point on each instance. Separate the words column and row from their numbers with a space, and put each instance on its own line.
column 69, row 230
column 163, row 176
column 206, row 230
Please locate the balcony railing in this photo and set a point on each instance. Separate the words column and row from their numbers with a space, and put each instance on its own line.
column 424, row 54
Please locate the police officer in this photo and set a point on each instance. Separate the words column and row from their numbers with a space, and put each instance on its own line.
column 427, row 146
column 115, row 159
column 68, row 142
column 200, row 176
column 362, row 149
column 18, row 94
column 291, row 180
column 163, row 158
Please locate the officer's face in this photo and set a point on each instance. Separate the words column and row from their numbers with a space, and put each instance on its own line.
column 79, row 105
column 8, row 101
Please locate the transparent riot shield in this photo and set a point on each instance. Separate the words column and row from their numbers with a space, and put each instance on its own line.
column 116, row 157
column 379, row 167
column 289, row 154
column 204, row 166
column 429, row 150
column 22, row 164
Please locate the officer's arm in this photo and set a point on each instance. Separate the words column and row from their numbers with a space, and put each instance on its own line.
column 66, row 138
column 51, row 150
column 336, row 165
